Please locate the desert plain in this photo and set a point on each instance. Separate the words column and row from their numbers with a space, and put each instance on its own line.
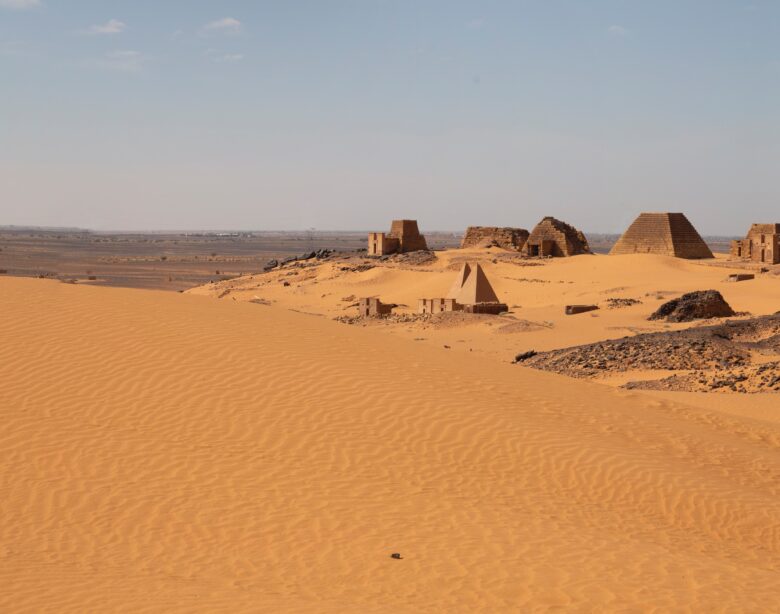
column 250, row 445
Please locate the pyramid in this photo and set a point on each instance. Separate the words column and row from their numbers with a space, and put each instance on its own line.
column 668, row 234
column 552, row 237
column 476, row 289
column 458, row 283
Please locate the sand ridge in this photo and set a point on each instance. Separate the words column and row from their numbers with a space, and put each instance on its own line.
column 170, row 452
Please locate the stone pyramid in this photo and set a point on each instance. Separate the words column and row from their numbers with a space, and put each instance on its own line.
column 476, row 289
column 465, row 270
column 669, row 234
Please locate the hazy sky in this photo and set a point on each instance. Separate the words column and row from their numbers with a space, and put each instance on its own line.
column 155, row 114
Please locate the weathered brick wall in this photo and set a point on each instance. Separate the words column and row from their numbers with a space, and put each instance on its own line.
column 506, row 237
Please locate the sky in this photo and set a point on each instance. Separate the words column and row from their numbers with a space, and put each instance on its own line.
column 343, row 115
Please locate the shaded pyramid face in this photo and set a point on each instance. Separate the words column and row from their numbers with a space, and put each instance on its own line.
column 669, row 234
column 476, row 289
column 463, row 275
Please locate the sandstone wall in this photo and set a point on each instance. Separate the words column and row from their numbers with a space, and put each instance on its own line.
column 506, row 237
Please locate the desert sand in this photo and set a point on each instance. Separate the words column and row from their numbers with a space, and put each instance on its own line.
column 172, row 452
column 536, row 292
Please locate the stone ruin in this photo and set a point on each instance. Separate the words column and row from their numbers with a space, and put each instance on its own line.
column 667, row 234
column 404, row 236
column 762, row 244
column 552, row 237
column 372, row 307
column 471, row 292
column 493, row 236
column 699, row 305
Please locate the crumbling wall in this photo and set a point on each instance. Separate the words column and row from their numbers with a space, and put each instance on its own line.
column 505, row 237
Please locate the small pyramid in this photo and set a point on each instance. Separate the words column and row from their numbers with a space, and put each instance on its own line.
column 458, row 283
column 669, row 234
column 477, row 289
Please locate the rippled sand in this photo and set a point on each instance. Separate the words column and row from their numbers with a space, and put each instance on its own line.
column 166, row 452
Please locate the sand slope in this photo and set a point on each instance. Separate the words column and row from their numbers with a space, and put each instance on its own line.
column 165, row 452
column 536, row 293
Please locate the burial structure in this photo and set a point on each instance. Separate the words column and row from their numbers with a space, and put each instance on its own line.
column 404, row 236
column 470, row 292
column 668, row 234
column 762, row 244
column 372, row 307
column 552, row 237
column 493, row 236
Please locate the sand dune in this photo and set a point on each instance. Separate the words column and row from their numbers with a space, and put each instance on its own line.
column 535, row 294
column 165, row 452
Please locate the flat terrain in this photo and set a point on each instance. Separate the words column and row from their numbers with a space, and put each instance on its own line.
column 163, row 261
column 171, row 452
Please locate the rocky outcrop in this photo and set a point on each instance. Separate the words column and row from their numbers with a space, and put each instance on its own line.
column 494, row 236
column 717, row 358
column 694, row 306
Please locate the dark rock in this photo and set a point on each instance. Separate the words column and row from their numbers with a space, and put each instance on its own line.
column 571, row 310
column 525, row 355
column 694, row 306
column 271, row 264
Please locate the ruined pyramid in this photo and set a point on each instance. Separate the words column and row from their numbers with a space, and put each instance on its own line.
column 668, row 234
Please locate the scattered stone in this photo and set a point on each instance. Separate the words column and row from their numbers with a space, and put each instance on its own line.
column 359, row 268
column 617, row 303
column 747, row 379
column 396, row 555
column 719, row 357
column 697, row 305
